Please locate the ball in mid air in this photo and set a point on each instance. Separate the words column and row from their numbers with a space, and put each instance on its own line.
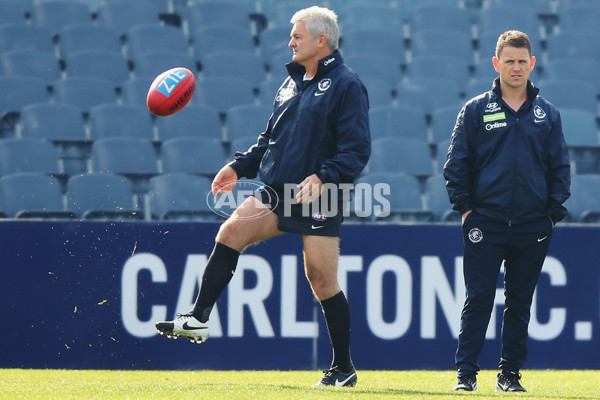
column 171, row 91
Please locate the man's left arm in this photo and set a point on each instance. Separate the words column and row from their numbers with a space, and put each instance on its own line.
column 353, row 138
column 559, row 173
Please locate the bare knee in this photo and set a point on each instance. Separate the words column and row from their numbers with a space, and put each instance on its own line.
column 322, row 285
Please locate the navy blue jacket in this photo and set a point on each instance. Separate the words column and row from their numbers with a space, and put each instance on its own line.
column 509, row 166
column 321, row 129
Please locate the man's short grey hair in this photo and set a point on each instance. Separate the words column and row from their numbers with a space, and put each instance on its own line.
column 320, row 20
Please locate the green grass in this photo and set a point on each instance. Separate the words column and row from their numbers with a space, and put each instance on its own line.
column 281, row 385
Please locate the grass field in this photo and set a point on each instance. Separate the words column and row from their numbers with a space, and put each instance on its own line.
column 281, row 385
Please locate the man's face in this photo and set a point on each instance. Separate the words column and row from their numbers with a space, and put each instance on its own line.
column 514, row 66
column 305, row 48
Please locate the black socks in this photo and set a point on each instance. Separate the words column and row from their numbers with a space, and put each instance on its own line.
column 337, row 315
column 219, row 271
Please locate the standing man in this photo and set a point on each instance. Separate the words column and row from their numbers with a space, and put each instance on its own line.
column 318, row 134
column 507, row 173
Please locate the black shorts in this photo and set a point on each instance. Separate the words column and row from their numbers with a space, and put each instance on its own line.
column 304, row 219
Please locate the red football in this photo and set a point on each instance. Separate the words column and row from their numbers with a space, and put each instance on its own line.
column 171, row 91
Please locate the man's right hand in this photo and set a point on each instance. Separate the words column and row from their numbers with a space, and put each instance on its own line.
column 465, row 215
column 224, row 180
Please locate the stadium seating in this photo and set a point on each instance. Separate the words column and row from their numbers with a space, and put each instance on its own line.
column 206, row 13
column 395, row 154
column 242, row 145
column 17, row 92
column 448, row 43
column 214, row 38
column 583, row 205
column 276, row 65
column 154, row 63
column 33, row 63
column 193, row 121
column 120, row 120
column 143, row 38
column 389, row 121
column 84, row 92
column 121, row 15
column 567, row 93
column 437, row 200
column 192, row 155
column 102, row 196
column 135, row 91
column 131, row 157
column 180, row 197
column 274, row 40
column 28, row 155
column 374, row 41
column 12, row 12
column 499, row 18
column 439, row 16
column 441, row 154
column 370, row 16
column 441, row 67
column 380, row 91
column 25, row 37
column 98, row 63
column 574, row 45
column 404, row 196
column 223, row 93
column 429, row 94
column 584, row 70
column 74, row 38
column 580, row 18
column 57, row 14
column 64, row 126
column 32, row 195
column 581, row 134
column 479, row 85
column 378, row 66
column 247, row 121
column 235, row 64
column 442, row 123
column 267, row 91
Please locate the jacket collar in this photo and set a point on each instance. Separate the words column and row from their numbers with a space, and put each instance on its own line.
column 326, row 64
column 532, row 91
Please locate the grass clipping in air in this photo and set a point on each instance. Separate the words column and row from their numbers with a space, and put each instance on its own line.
column 282, row 385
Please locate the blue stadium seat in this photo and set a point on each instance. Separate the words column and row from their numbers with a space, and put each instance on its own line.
column 428, row 94
column 274, row 40
column 135, row 91
column 120, row 120
column 538, row 6
column 574, row 45
column 439, row 16
column 180, row 197
column 580, row 18
column 442, row 154
column 279, row 12
column 380, row 91
column 99, row 64
column 499, row 18
column 410, row 156
column 581, row 134
column 223, row 93
column 154, row 63
column 28, row 155
column 192, row 155
column 369, row 16
column 121, row 15
column 267, row 91
column 478, row 86
column 382, row 67
column 441, row 67
column 437, row 200
column 102, row 196
column 143, row 38
column 276, row 65
column 439, row 42
column 74, row 38
column 568, row 93
column 134, row 158
column 443, row 121
column 374, row 41
column 235, row 64
column 389, row 121
column 84, row 92
column 215, row 38
column 57, row 14
column 583, row 205
column 584, row 70
column 32, row 195
column 247, row 121
column 12, row 12
column 17, row 92
column 405, row 199
column 33, row 63
column 194, row 121
column 25, row 37
column 205, row 13
column 64, row 126
column 242, row 145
